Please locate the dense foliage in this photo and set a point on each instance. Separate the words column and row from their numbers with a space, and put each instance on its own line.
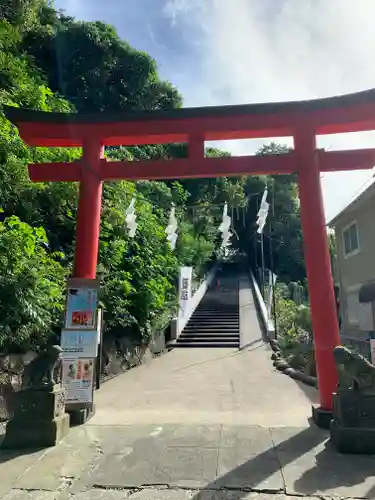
column 51, row 62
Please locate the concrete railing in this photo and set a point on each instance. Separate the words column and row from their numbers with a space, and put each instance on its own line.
column 179, row 323
column 268, row 323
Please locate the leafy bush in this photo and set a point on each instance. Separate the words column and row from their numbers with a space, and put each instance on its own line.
column 295, row 333
column 31, row 285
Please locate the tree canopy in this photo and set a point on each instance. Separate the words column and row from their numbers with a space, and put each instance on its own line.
column 52, row 62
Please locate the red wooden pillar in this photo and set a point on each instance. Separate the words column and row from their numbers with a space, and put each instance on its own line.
column 196, row 147
column 89, row 208
column 318, row 266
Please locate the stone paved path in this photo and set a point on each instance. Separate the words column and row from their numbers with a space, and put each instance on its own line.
column 193, row 425
column 206, row 386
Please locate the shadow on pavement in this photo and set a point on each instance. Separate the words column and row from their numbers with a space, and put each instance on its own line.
column 303, row 470
column 256, row 471
column 10, row 454
column 333, row 470
column 310, row 392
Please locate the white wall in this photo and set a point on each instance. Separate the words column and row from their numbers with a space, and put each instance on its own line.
column 268, row 323
column 182, row 319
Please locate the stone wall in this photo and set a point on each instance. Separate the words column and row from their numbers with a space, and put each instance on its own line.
column 11, row 369
column 119, row 355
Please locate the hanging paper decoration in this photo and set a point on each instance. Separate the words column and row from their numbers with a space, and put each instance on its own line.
column 225, row 228
column 263, row 212
column 171, row 228
column 130, row 218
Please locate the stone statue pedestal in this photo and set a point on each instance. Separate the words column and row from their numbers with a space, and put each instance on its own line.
column 352, row 429
column 39, row 419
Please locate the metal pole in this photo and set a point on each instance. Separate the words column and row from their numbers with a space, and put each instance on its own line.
column 262, row 252
column 272, row 261
column 256, row 255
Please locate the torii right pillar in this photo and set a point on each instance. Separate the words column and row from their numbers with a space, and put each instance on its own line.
column 319, row 272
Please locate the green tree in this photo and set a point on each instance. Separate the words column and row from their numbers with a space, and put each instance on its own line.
column 90, row 65
column 31, row 286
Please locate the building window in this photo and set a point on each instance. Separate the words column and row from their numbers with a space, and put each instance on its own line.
column 350, row 237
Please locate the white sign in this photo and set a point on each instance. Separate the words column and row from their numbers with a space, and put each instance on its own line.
column 82, row 307
column 78, row 375
column 372, row 347
column 83, row 344
column 186, row 274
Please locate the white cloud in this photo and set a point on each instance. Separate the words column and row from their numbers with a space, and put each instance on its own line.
column 276, row 50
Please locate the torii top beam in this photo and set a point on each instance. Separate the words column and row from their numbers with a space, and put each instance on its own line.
column 347, row 113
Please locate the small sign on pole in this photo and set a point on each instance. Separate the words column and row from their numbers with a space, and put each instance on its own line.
column 82, row 304
column 79, row 341
column 186, row 274
column 78, row 377
column 80, row 350
column 372, row 347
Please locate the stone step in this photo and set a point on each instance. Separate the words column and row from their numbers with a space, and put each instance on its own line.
column 207, row 338
column 216, row 325
column 233, row 345
column 200, row 333
column 216, row 313
column 213, row 318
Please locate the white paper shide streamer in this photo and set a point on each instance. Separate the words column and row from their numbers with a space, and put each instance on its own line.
column 130, row 218
column 263, row 212
column 172, row 228
column 224, row 228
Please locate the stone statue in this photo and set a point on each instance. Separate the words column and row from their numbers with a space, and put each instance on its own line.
column 354, row 371
column 352, row 428
column 39, row 419
column 45, row 369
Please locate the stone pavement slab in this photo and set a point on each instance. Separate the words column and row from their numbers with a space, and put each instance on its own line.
column 322, row 471
column 213, row 457
column 238, row 468
column 187, row 467
column 206, row 386
column 203, row 424
column 115, row 461
column 18, row 494
column 255, row 438
column 154, row 494
column 13, row 464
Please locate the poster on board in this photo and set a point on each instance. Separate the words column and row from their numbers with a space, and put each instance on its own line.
column 79, row 343
column 78, row 376
column 82, row 304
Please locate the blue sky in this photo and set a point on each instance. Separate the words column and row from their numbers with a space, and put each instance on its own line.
column 241, row 51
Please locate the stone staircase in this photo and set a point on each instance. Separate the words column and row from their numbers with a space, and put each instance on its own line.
column 215, row 322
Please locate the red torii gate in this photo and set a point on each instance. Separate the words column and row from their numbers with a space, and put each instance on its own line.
column 301, row 120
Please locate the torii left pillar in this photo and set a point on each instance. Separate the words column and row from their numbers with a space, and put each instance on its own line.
column 89, row 209
column 88, row 229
